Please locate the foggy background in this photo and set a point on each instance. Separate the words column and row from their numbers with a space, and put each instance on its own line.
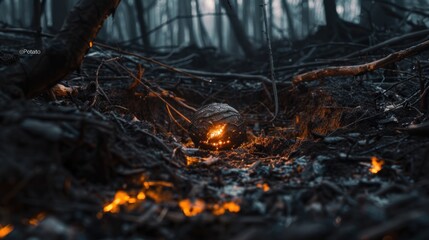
column 176, row 23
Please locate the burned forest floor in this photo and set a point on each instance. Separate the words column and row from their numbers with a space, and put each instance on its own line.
column 107, row 153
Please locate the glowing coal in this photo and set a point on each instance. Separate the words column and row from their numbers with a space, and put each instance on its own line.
column 217, row 126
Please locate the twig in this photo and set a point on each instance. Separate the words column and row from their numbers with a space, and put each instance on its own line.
column 173, row 69
column 270, row 51
column 97, row 86
column 388, row 42
column 170, row 21
column 354, row 70
column 229, row 75
column 156, row 94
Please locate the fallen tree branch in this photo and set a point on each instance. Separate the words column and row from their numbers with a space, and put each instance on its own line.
column 354, row 70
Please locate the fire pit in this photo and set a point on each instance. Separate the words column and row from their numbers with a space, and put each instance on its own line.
column 217, row 126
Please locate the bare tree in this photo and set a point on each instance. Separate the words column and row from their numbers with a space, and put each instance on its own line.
column 203, row 31
column 219, row 26
column 238, row 30
column 36, row 21
column 290, row 27
column 142, row 23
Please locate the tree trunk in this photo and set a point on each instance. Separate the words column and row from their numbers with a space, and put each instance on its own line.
column 36, row 22
column 290, row 26
column 257, row 22
column 203, row 31
column 331, row 15
column 58, row 13
column 189, row 21
column 271, row 18
column 239, row 33
column 64, row 53
column 219, row 26
column 181, row 24
column 142, row 23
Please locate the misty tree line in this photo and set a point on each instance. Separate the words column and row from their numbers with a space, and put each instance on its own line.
column 174, row 23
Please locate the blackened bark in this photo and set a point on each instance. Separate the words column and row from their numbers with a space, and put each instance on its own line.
column 63, row 54
column 239, row 33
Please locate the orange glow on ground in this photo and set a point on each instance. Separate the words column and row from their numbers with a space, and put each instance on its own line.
column 5, row 230
column 120, row 198
column 376, row 164
column 192, row 208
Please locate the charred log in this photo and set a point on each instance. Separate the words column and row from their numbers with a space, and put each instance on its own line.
column 64, row 53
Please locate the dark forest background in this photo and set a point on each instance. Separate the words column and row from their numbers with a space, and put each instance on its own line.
column 166, row 24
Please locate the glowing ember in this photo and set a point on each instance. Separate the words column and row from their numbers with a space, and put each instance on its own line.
column 227, row 206
column 152, row 189
column 121, row 198
column 265, row 187
column 5, row 230
column 192, row 208
column 376, row 164
column 232, row 207
column 216, row 132
column 37, row 219
column 215, row 135
column 192, row 160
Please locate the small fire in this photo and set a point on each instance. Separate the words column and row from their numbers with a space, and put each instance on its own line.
column 192, row 208
column 5, row 230
column 216, row 132
column 91, row 44
column 215, row 136
column 376, row 164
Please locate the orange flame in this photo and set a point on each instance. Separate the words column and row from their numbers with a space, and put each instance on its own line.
column 192, row 208
column 216, row 132
column 376, row 164
column 215, row 135
column 5, row 230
